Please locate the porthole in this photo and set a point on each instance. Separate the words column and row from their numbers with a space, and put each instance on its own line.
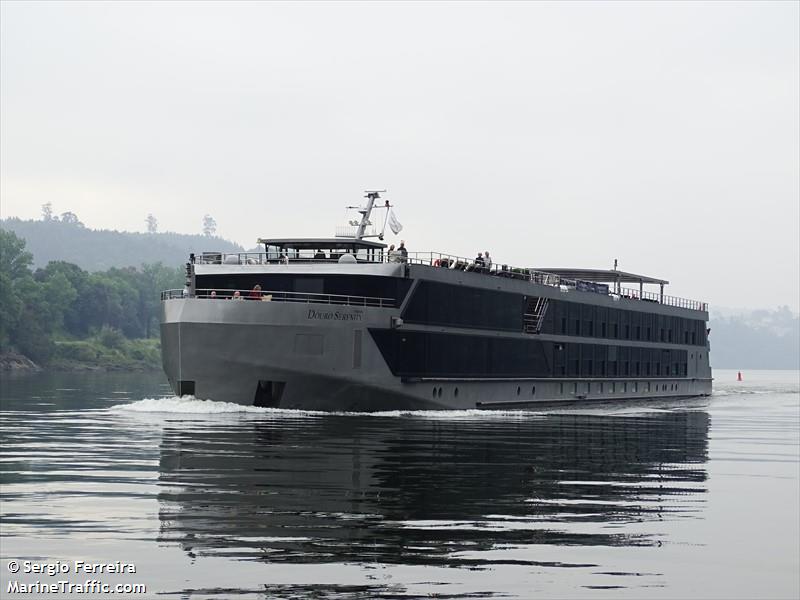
column 440, row 392
column 455, row 392
column 434, row 392
column 519, row 390
column 533, row 391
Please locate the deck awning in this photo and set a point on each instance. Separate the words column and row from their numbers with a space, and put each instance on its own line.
column 326, row 243
column 603, row 276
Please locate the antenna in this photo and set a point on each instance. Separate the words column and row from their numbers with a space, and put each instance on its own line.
column 371, row 196
column 365, row 212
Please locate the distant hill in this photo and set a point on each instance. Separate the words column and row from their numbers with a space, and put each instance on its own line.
column 758, row 339
column 99, row 250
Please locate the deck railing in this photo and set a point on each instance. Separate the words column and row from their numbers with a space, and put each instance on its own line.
column 449, row 261
column 280, row 296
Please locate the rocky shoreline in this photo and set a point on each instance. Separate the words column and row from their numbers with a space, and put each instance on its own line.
column 17, row 363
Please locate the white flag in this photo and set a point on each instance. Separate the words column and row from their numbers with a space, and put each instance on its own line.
column 394, row 224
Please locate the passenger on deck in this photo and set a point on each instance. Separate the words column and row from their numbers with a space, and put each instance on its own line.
column 213, row 294
column 393, row 255
column 402, row 250
column 320, row 255
column 479, row 260
column 283, row 259
column 255, row 293
column 237, row 295
column 487, row 260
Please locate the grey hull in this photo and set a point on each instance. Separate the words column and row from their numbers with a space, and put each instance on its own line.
column 322, row 357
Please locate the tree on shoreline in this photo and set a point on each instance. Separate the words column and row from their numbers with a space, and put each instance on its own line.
column 62, row 301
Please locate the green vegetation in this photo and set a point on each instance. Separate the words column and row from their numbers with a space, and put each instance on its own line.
column 95, row 352
column 62, row 316
column 66, row 239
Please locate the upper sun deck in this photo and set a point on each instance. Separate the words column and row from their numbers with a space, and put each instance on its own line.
column 283, row 253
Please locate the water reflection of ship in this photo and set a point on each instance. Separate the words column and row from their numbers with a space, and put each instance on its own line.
column 424, row 491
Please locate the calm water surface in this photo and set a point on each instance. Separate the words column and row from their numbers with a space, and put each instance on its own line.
column 695, row 499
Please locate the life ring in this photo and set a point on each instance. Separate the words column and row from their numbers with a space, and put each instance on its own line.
column 437, row 263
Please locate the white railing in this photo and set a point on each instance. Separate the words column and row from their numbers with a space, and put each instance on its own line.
column 449, row 261
column 280, row 296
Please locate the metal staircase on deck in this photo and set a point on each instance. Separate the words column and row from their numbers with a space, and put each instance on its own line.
column 534, row 314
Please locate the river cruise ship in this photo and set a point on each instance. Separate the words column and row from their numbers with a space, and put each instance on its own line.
column 342, row 324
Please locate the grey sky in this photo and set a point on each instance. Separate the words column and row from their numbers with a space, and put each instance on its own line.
column 662, row 134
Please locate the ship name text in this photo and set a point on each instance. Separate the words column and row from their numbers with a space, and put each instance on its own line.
column 334, row 315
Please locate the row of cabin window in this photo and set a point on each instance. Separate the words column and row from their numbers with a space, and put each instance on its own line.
column 595, row 360
column 611, row 387
column 586, row 320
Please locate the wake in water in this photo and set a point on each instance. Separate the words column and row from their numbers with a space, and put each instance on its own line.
column 192, row 405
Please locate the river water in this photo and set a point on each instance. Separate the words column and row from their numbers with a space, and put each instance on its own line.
column 692, row 499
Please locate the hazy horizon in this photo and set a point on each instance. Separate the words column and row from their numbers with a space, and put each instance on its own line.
column 665, row 135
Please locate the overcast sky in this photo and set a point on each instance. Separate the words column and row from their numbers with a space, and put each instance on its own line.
column 665, row 135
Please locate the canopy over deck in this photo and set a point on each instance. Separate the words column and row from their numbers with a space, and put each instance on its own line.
column 317, row 243
column 604, row 276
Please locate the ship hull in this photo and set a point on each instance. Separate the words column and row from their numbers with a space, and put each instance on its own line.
column 326, row 357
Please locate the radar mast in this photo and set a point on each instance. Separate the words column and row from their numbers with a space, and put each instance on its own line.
column 365, row 212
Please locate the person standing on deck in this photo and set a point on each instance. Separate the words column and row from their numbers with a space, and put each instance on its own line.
column 403, row 252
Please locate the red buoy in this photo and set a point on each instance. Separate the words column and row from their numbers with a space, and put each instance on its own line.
column 739, row 376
